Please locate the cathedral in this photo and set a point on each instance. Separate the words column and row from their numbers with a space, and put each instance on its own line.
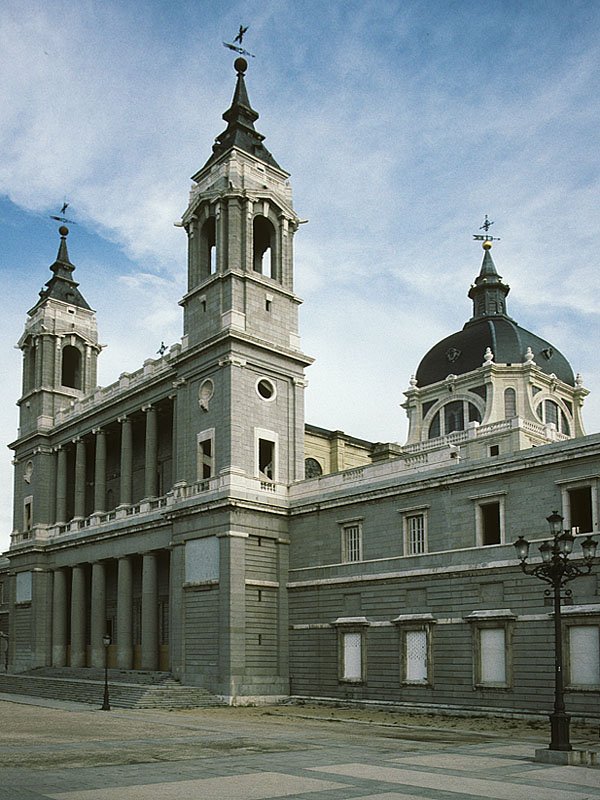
column 190, row 514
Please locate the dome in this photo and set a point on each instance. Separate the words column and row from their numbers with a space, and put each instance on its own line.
column 463, row 351
column 490, row 326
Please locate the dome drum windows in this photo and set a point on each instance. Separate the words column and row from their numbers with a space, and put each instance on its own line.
column 550, row 413
column 453, row 416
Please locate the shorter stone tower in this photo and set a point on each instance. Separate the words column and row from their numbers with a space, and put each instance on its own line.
column 60, row 350
column 493, row 387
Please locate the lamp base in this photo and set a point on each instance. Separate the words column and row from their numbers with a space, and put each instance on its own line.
column 559, row 731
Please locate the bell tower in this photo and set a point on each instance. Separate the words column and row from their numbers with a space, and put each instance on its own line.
column 60, row 347
column 240, row 309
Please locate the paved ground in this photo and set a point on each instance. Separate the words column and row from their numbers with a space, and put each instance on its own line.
column 68, row 751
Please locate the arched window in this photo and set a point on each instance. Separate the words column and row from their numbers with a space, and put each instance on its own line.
column 454, row 416
column 550, row 413
column 71, row 367
column 510, row 403
column 264, row 247
column 208, row 248
column 312, row 468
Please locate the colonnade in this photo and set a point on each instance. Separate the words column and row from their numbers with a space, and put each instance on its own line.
column 71, row 610
column 83, row 470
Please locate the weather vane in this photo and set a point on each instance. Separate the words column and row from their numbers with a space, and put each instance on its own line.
column 60, row 217
column 487, row 223
column 239, row 39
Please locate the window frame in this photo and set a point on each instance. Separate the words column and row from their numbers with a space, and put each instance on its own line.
column 580, row 483
column 207, row 435
column 268, row 436
column 577, row 621
column 501, row 619
column 415, row 623
column 351, row 626
column 408, row 514
column 346, row 525
column 484, row 500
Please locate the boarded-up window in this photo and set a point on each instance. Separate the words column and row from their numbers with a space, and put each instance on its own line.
column 415, row 659
column 352, row 656
column 584, row 655
column 492, row 656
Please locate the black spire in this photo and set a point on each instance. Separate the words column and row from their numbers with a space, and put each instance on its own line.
column 488, row 293
column 240, row 118
column 61, row 285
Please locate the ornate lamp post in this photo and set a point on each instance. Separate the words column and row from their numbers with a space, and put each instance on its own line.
column 557, row 570
column 106, row 702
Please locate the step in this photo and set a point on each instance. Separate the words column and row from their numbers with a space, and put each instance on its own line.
column 122, row 694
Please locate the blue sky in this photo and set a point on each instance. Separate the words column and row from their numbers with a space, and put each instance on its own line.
column 402, row 124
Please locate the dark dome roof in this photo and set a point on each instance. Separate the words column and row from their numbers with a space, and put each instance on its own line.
column 463, row 351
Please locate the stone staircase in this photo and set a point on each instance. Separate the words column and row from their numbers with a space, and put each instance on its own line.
column 127, row 689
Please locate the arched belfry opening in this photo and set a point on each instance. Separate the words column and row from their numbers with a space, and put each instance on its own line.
column 208, row 247
column 263, row 237
column 70, row 374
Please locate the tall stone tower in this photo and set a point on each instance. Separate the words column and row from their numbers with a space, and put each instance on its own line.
column 240, row 311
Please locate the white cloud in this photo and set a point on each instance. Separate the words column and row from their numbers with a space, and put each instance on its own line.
column 401, row 126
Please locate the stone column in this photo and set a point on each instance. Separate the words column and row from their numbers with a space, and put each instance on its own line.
column 151, row 451
column 232, row 612
column 100, row 472
column 78, row 617
column 126, row 461
column 61, row 486
column 98, row 615
column 124, row 614
column 176, row 610
column 79, row 508
column 59, row 619
column 149, row 612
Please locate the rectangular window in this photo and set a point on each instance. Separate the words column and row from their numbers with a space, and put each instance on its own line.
column 492, row 657
column 489, row 519
column 415, row 534
column 266, row 457
column 352, row 656
column 24, row 587
column 584, row 655
column 580, row 508
column 490, row 523
column 27, row 513
column 351, row 542
column 416, row 656
column 205, row 456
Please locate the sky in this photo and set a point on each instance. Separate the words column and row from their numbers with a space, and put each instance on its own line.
column 402, row 124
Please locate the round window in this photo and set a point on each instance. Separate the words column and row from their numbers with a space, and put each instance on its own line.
column 265, row 389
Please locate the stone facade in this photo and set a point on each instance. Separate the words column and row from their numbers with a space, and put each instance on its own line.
column 189, row 512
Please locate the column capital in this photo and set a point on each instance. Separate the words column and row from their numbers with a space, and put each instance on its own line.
column 149, row 407
column 124, row 418
column 97, row 431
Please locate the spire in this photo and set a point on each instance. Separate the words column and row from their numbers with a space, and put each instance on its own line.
column 240, row 118
column 61, row 285
column 488, row 293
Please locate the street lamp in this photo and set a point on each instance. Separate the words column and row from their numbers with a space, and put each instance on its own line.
column 556, row 570
column 106, row 702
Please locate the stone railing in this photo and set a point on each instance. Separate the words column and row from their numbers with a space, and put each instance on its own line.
column 153, row 367
column 180, row 493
